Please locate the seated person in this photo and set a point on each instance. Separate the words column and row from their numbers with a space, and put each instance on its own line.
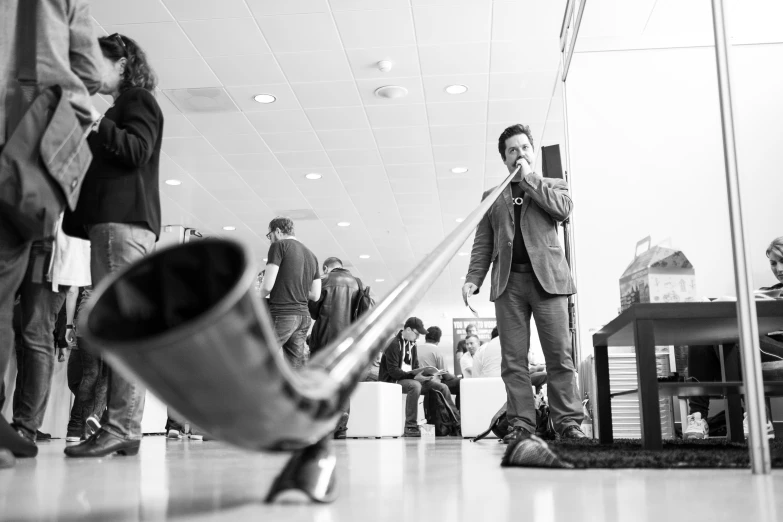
column 486, row 362
column 399, row 364
column 704, row 361
column 429, row 355
column 472, row 344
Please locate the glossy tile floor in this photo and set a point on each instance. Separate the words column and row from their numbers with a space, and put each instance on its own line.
column 394, row 480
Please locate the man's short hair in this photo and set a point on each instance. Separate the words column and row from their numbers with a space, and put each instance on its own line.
column 434, row 334
column 333, row 262
column 476, row 336
column 468, row 327
column 285, row 225
column 494, row 333
column 510, row 132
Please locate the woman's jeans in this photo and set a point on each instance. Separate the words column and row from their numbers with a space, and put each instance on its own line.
column 115, row 246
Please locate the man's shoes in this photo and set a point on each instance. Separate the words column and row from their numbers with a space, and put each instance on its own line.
column 516, row 433
column 174, row 435
column 72, row 436
column 412, row 432
column 339, row 434
column 40, row 436
column 746, row 430
column 572, row 432
column 102, row 444
column 7, row 459
column 16, row 441
column 696, row 427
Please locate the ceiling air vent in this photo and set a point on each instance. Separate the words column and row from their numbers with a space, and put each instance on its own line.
column 210, row 99
column 304, row 214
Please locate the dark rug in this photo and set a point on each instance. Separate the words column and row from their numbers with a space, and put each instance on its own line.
column 628, row 453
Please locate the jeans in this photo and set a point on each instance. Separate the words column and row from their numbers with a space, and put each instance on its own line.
column 88, row 381
column 13, row 266
column 38, row 310
column 525, row 296
column 291, row 331
column 115, row 246
column 413, row 389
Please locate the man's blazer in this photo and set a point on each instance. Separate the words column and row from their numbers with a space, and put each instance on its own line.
column 547, row 204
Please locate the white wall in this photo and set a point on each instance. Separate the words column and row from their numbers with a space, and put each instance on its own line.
column 647, row 158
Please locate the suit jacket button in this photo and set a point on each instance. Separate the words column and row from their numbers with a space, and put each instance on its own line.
column 510, row 243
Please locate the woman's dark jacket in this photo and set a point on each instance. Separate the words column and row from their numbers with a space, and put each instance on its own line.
column 121, row 185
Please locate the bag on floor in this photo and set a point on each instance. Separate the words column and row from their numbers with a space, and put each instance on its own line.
column 446, row 420
column 499, row 424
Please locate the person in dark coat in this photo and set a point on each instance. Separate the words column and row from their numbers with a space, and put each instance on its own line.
column 333, row 312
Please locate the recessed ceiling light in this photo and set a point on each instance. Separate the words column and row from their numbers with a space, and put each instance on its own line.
column 313, row 175
column 460, row 220
column 459, row 170
column 264, row 98
column 456, row 89
column 229, row 228
column 364, row 256
column 379, row 280
column 173, row 182
column 463, row 277
column 343, row 224
column 463, row 253
column 264, row 260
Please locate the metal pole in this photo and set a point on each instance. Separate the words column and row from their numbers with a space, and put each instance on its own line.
column 746, row 306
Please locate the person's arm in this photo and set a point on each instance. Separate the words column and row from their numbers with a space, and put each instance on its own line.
column 393, row 354
column 70, row 311
column 553, row 198
column 84, row 52
column 480, row 255
column 269, row 279
column 134, row 142
column 478, row 365
column 315, row 290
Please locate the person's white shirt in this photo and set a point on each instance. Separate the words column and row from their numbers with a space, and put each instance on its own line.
column 466, row 364
column 486, row 362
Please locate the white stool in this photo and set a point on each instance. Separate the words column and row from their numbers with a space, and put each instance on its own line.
column 480, row 399
column 375, row 410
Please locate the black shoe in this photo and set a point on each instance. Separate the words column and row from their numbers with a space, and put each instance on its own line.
column 412, row 432
column 101, row 444
column 339, row 434
column 573, row 432
column 17, row 442
column 516, row 433
column 39, row 436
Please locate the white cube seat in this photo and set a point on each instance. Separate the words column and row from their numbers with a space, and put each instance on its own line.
column 376, row 410
column 480, row 398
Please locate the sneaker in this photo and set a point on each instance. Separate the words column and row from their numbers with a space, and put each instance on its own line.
column 174, row 435
column 93, row 423
column 412, row 432
column 72, row 437
column 516, row 433
column 696, row 427
column 194, row 436
column 746, row 431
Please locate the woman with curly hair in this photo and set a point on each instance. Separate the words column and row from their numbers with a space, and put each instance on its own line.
column 119, row 213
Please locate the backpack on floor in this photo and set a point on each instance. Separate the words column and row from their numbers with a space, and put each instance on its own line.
column 499, row 424
column 446, row 420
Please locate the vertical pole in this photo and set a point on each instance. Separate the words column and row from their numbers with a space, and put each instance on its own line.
column 746, row 306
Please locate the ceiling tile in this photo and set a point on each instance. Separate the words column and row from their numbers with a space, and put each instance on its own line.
column 460, row 153
column 326, row 94
column 286, row 7
column 533, row 109
column 226, row 37
column 539, row 84
column 347, row 139
column 435, row 88
column 239, row 144
column 292, row 141
column 420, row 171
column 315, row 66
column 279, row 121
column 364, row 62
column 397, row 116
column 387, row 28
column 109, row 12
column 405, row 186
column 207, row 9
column 252, row 162
column 360, row 175
column 511, row 21
column 160, row 41
column 417, row 3
column 459, row 134
column 298, row 176
column 353, row 158
column 298, row 160
column 256, row 69
column 402, row 137
column 367, row 5
column 453, row 24
column 185, row 73
column 197, row 146
column 506, row 59
column 469, row 58
column 457, row 113
column 243, row 96
column 399, row 155
column 204, row 100
column 305, row 32
column 221, row 123
column 197, row 164
column 368, row 87
column 338, row 118
column 178, row 126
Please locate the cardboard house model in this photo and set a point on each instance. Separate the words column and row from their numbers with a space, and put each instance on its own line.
column 658, row 275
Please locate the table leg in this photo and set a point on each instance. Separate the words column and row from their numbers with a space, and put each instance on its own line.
column 603, row 401
column 647, row 370
column 731, row 372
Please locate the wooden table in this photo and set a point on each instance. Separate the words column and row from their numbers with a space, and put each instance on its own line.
column 645, row 325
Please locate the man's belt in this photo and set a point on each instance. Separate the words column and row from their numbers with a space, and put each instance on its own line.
column 521, row 268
